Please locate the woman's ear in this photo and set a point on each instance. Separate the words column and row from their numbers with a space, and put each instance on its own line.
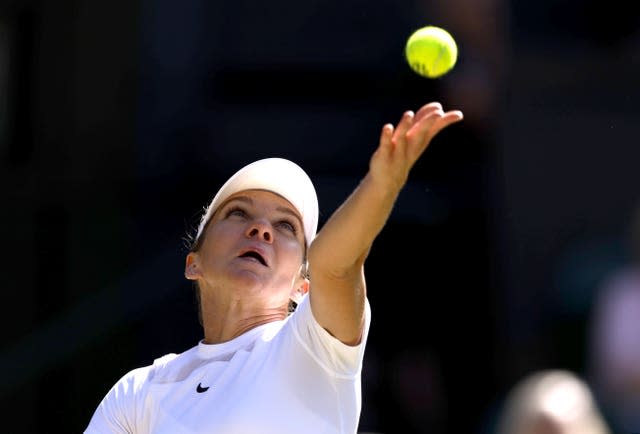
column 192, row 267
column 299, row 292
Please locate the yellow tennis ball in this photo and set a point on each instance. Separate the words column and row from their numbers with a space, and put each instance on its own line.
column 431, row 51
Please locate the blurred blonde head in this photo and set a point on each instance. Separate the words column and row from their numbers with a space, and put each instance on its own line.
column 551, row 402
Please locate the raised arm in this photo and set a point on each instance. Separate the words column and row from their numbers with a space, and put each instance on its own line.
column 338, row 253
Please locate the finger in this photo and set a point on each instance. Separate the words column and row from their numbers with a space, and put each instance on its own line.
column 405, row 123
column 423, row 131
column 452, row 116
column 426, row 109
column 385, row 138
column 442, row 119
column 445, row 120
column 426, row 122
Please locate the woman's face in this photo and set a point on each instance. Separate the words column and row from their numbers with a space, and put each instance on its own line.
column 254, row 244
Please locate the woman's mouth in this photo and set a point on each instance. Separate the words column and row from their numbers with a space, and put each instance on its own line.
column 251, row 254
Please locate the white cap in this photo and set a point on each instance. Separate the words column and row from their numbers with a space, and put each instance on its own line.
column 279, row 176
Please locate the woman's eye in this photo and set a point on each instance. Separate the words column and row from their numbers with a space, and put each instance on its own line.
column 236, row 212
column 287, row 226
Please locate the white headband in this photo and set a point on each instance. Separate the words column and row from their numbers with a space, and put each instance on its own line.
column 280, row 176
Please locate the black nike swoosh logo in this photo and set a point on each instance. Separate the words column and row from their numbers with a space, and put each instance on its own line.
column 201, row 389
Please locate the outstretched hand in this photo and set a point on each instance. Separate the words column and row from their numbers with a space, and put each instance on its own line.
column 401, row 146
column 339, row 287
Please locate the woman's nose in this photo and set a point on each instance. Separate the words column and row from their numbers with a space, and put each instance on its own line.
column 261, row 230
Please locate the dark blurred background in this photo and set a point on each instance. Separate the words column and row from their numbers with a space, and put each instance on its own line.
column 120, row 119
